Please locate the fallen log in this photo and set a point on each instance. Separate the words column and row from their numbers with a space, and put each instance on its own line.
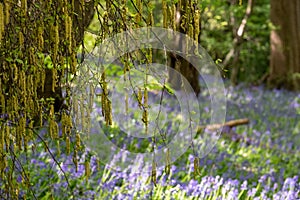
column 230, row 124
column 226, row 129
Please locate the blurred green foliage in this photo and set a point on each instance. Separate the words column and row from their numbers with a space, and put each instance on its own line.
column 217, row 35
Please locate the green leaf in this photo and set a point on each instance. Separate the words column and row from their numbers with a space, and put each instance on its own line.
column 19, row 61
column 9, row 59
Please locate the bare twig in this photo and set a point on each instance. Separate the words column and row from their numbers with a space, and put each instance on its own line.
column 53, row 157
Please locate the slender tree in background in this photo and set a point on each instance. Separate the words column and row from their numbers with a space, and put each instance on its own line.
column 238, row 33
column 285, row 48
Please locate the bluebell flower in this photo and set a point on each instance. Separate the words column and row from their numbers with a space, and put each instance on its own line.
column 244, row 185
column 252, row 192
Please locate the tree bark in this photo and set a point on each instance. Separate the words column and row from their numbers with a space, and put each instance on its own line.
column 285, row 48
column 178, row 63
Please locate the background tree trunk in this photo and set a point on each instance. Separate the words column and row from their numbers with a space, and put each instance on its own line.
column 285, row 48
column 184, row 11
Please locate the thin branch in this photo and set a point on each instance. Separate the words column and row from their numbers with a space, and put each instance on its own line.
column 242, row 26
column 22, row 170
column 52, row 156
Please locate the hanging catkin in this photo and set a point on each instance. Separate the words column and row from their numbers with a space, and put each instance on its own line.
column 139, row 14
column 145, row 111
column 168, row 162
column 196, row 25
column 68, row 30
column 68, row 145
column 87, row 169
column 7, row 11
column 21, row 40
column 24, row 7
column 165, row 17
column 196, row 167
column 78, row 141
column 40, row 37
column 153, row 173
column 55, row 42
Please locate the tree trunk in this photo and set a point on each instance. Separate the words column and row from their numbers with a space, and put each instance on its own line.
column 178, row 63
column 285, row 48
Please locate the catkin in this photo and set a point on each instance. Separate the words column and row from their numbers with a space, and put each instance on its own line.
column 55, row 130
column 7, row 12
column 174, row 17
column 2, row 23
column 109, row 112
column 145, row 112
column 73, row 62
column 191, row 31
column 21, row 40
column 196, row 25
column 68, row 30
column 68, row 145
column 55, row 40
column 24, row 6
column 168, row 162
column 87, row 169
column 2, row 143
column 63, row 124
column 91, row 97
column 40, row 37
column 51, row 129
column 54, row 79
column 21, row 132
column 153, row 172
column 196, row 167
column 51, row 114
column 58, row 148
column 138, row 16
column 78, row 146
column 82, row 8
column 165, row 17
column 43, row 78
column 15, row 68
column 139, row 97
column 32, row 56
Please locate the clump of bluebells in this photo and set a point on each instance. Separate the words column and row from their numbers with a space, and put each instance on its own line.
column 133, row 185
column 267, row 167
